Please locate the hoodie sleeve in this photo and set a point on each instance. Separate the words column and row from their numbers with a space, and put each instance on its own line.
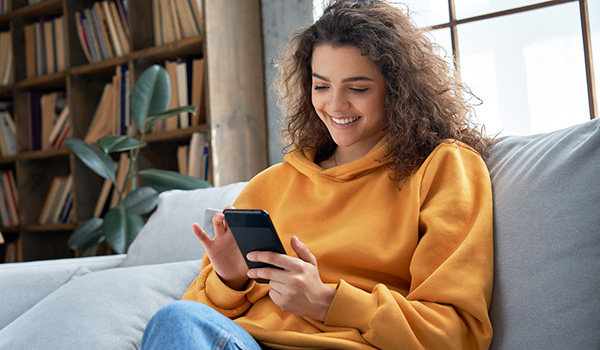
column 451, row 269
column 208, row 289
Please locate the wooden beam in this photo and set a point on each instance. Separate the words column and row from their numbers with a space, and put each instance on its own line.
column 236, row 89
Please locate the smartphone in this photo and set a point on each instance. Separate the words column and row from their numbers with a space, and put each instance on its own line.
column 253, row 230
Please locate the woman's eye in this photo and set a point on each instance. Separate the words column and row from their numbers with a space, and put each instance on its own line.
column 320, row 87
column 360, row 91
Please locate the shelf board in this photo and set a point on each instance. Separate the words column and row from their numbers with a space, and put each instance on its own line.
column 43, row 154
column 41, row 9
column 7, row 160
column 184, row 47
column 6, row 91
column 48, row 227
column 49, row 81
column 106, row 66
column 175, row 135
column 7, row 230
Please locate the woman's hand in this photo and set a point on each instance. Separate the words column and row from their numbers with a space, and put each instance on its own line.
column 297, row 288
column 223, row 253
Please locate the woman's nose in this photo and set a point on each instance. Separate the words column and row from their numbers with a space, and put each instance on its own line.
column 338, row 102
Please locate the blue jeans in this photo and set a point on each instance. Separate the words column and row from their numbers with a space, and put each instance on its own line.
column 192, row 325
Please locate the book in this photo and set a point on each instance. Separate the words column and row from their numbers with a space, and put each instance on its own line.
column 11, row 202
column 182, row 93
column 12, row 190
column 167, row 17
column 48, row 32
column 122, row 10
column 82, row 37
column 65, row 213
column 122, row 171
column 98, row 11
column 47, row 103
column 34, row 117
column 103, row 197
column 196, row 149
column 65, row 189
column 56, row 187
column 197, row 88
column 176, row 20
column 6, row 59
column 157, row 23
column 196, row 6
column 102, row 122
column 171, row 67
column 30, row 66
column 4, row 213
column 120, row 26
column 59, row 125
column 90, row 30
column 112, row 29
column 8, row 140
column 38, row 39
column 59, row 39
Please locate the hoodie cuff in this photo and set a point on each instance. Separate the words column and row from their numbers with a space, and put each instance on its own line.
column 222, row 296
column 351, row 307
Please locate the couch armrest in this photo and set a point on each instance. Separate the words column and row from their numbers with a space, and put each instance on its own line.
column 24, row 284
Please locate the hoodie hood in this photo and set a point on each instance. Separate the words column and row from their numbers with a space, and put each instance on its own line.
column 304, row 162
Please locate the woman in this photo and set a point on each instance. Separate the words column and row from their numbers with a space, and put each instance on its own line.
column 383, row 204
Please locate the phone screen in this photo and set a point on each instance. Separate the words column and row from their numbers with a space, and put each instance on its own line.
column 253, row 230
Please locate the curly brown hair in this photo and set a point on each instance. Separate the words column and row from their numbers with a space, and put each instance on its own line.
column 425, row 104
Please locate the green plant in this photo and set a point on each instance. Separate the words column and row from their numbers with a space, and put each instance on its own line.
column 122, row 223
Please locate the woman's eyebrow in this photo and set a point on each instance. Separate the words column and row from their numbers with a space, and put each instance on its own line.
column 347, row 80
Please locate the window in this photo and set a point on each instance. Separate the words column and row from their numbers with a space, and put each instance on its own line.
column 529, row 61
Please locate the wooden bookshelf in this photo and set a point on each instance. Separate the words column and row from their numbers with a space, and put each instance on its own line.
column 234, row 108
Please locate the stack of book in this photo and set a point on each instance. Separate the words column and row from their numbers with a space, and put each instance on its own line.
column 176, row 19
column 112, row 115
column 187, row 82
column 8, row 141
column 103, row 31
column 193, row 159
column 48, row 118
column 57, row 207
column 9, row 215
column 45, row 47
column 4, row 6
column 6, row 59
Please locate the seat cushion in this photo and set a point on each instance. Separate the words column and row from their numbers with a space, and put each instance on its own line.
column 168, row 235
column 547, row 239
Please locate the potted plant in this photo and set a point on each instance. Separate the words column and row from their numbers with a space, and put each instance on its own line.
column 122, row 223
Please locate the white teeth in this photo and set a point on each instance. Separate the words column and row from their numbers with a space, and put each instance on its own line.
column 344, row 121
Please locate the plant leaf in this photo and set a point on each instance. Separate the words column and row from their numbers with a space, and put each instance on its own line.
column 121, row 226
column 151, row 94
column 164, row 180
column 112, row 143
column 87, row 235
column 100, row 163
column 142, row 200
column 154, row 119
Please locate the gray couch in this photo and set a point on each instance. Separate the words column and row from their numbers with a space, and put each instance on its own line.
column 547, row 246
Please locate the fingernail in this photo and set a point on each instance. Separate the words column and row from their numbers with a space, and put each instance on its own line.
column 250, row 256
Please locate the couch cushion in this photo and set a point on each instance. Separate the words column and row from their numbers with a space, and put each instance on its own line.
column 547, row 239
column 26, row 283
column 168, row 235
column 101, row 310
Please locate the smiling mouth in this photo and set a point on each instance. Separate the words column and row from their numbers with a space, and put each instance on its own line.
column 344, row 121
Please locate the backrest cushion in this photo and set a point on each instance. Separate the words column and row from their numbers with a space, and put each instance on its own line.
column 168, row 235
column 547, row 239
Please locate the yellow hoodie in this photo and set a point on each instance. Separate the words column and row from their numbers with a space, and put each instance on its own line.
column 413, row 265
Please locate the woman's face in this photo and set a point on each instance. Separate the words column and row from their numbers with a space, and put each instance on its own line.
column 348, row 94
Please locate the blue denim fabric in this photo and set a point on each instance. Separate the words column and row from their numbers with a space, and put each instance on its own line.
column 191, row 325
